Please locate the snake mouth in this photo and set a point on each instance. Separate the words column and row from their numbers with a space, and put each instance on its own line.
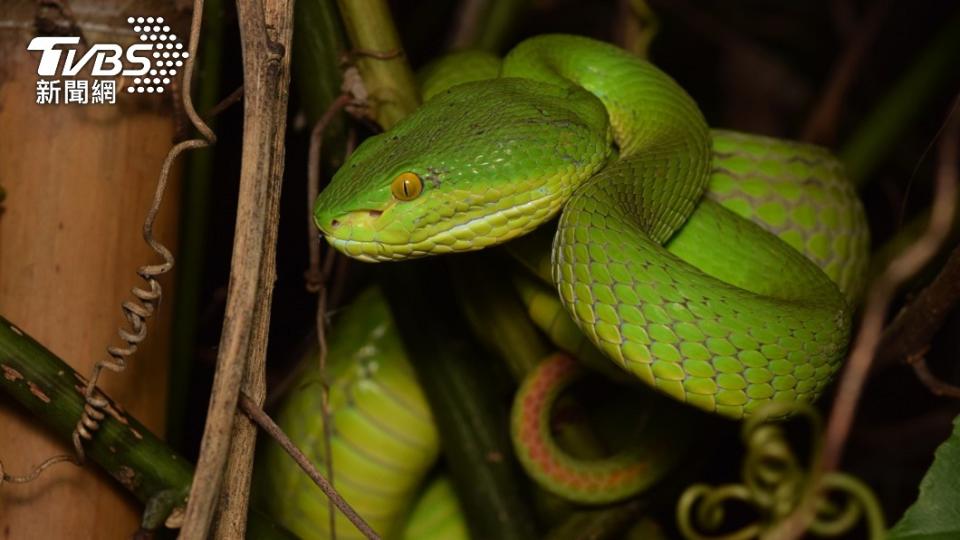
column 362, row 218
column 380, row 250
column 383, row 249
column 370, row 214
column 475, row 233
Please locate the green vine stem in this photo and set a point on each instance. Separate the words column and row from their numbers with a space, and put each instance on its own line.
column 53, row 392
column 129, row 452
column 461, row 390
column 487, row 300
column 387, row 77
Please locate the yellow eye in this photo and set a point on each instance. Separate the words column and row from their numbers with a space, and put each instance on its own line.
column 406, row 186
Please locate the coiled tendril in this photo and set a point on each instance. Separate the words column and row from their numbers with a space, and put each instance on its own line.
column 776, row 485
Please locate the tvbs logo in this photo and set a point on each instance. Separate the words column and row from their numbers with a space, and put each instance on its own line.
column 148, row 66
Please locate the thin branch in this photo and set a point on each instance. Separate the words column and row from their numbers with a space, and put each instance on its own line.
column 931, row 381
column 321, row 323
column 911, row 331
column 226, row 103
column 317, row 279
column 252, row 410
column 882, row 291
column 868, row 338
column 314, row 275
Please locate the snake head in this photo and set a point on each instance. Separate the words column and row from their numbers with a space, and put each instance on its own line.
column 480, row 164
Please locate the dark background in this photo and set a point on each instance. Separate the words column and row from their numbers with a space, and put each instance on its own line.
column 752, row 65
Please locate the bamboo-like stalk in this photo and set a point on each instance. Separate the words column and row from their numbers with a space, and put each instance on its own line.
column 462, row 393
column 379, row 56
column 493, row 311
column 52, row 392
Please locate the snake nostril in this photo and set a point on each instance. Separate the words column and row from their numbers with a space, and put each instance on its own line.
column 353, row 218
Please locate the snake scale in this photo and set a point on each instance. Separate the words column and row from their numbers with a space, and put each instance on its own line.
column 718, row 268
column 383, row 439
column 726, row 317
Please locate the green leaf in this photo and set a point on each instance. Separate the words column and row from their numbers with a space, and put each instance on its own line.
column 936, row 513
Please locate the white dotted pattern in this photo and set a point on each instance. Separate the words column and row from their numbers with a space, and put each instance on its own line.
column 168, row 55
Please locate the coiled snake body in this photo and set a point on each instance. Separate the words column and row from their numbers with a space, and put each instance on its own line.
column 716, row 267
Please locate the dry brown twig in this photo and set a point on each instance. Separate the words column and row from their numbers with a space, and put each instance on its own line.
column 252, row 410
column 882, row 291
column 317, row 278
column 226, row 452
column 912, row 329
column 879, row 296
column 226, row 103
column 936, row 386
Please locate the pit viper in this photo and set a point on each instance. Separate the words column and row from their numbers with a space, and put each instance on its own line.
column 716, row 267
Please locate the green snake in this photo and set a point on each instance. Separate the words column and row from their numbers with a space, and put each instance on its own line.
column 716, row 267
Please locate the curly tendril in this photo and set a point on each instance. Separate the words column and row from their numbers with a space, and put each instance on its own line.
column 775, row 484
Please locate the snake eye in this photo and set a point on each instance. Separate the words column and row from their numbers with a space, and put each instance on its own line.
column 406, row 186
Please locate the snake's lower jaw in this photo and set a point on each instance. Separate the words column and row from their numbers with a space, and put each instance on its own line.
column 367, row 236
column 357, row 234
column 389, row 247
column 366, row 244
column 349, row 248
column 383, row 251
